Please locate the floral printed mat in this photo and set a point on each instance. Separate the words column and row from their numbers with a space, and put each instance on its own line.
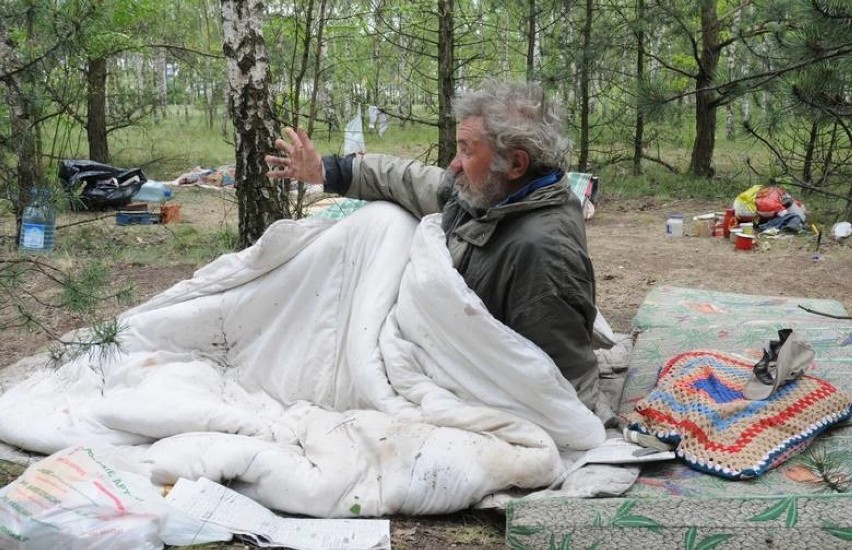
column 804, row 503
column 674, row 320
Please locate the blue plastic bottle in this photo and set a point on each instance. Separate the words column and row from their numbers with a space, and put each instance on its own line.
column 38, row 223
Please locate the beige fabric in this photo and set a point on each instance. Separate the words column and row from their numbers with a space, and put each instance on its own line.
column 793, row 358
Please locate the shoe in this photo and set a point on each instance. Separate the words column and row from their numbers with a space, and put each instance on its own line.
column 786, row 359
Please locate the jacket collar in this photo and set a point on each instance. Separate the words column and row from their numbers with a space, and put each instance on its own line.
column 543, row 181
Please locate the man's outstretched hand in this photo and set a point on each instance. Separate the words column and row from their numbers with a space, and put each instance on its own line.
column 299, row 159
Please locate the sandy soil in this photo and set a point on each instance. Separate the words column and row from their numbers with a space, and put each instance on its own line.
column 631, row 254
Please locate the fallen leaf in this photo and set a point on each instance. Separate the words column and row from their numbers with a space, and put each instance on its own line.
column 802, row 474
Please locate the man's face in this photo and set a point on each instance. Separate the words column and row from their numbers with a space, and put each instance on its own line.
column 478, row 183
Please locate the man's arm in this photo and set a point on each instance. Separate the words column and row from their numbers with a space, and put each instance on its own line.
column 409, row 183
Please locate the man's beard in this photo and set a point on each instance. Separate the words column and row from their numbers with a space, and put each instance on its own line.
column 492, row 191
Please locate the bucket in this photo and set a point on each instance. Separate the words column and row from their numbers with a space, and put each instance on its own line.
column 744, row 242
column 734, row 233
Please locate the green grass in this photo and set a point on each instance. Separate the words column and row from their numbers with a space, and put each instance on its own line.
column 10, row 471
column 170, row 147
column 173, row 146
column 210, row 231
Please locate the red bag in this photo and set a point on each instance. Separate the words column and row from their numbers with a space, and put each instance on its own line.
column 770, row 201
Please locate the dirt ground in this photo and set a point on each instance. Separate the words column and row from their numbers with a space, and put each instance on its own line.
column 631, row 255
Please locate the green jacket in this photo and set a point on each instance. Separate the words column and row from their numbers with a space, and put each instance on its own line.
column 527, row 261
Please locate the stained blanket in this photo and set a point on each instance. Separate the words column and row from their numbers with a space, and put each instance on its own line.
column 335, row 368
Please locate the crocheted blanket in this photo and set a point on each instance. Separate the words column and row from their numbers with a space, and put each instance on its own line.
column 698, row 405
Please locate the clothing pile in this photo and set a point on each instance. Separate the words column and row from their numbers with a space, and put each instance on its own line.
column 771, row 207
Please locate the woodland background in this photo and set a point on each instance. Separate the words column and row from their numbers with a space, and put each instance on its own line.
column 647, row 84
column 677, row 105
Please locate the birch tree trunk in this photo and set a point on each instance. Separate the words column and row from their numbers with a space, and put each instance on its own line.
column 732, row 54
column 162, row 84
column 260, row 201
column 730, row 121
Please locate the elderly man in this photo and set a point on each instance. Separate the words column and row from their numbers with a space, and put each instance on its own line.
column 514, row 229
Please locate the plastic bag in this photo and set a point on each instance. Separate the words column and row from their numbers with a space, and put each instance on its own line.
column 353, row 138
column 98, row 186
column 772, row 201
column 744, row 205
column 841, row 230
column 73, row 499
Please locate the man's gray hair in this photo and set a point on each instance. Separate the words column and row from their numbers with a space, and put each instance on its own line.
column 518, row 116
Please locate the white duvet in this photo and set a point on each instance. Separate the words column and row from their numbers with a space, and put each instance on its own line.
column 333, row 369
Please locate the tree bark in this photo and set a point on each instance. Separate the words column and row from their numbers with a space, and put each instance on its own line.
column 210, row 103
column 318, row 67
column 447, row 83
column 260, row 201
column 584, row 87
column 96, row 124
column 810, row 147
column 730, row 120
column 705, row 98
column 23, row 119
column 639, row 133
column 732, row 55
column 302, row 69
column 162, row 85
column 531, row 27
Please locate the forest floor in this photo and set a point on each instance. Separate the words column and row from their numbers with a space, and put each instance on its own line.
column 631, row 254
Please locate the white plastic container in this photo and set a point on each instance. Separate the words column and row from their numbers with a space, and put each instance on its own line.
column 153, row 191
column 674, row 225
column 38, row 223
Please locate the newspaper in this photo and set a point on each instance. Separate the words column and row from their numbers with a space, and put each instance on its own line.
column 215, row 503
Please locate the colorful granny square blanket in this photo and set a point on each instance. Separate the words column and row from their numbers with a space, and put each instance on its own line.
column 698, row 405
